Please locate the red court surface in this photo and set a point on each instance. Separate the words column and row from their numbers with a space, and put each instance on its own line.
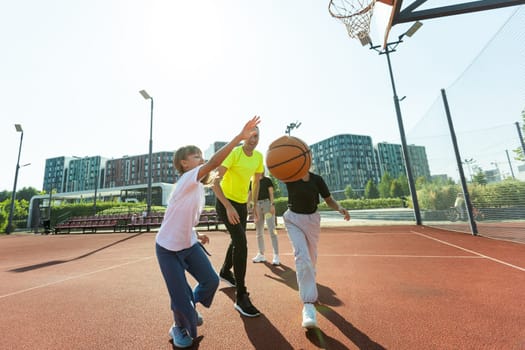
column 389, row 287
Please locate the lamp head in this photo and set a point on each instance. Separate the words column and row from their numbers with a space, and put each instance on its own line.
column 414, row 28
column 18, row 128
column 145, row 94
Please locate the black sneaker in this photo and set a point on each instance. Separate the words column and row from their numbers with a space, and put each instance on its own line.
column 245, row 307
column 227, row 276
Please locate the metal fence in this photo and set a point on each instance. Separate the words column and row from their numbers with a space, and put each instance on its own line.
column 487, row 108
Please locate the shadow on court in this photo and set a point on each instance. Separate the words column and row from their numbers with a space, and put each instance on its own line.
column 57, row 262
column 385, row 287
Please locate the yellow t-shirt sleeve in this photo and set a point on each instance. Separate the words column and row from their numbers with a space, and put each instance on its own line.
column 235, row 183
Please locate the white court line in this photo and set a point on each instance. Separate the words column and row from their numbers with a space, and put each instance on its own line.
column 471, row 251
column 407, row 256
column 73, row 277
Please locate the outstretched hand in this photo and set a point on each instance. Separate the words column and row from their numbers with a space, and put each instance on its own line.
column 249, row 127
column 345, row 213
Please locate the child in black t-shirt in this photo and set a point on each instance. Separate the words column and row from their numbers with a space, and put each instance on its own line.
column 303, row 223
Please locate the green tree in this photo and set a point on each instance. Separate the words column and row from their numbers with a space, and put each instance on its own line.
column 396, row 190
column 384, row 185
column 371, row 190
column 403, row 181
column 3, row 216
column 26, row 193
column 436, row 197
column 276, row 188
column 421, row 182
column 20, row 212
column 349, row 192
column 5, row 195
column 479, row 178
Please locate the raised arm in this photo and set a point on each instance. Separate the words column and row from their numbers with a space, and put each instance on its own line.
column 220, row 155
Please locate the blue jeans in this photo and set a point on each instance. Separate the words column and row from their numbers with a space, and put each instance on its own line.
column 173, row 266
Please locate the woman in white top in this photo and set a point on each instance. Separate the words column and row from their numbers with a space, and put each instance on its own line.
column 177, row 247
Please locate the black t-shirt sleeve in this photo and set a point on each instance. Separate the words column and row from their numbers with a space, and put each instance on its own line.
column 303, row 197
column 322, row 186
column 264, row 184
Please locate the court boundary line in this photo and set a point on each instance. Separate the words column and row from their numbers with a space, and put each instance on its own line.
column 470, row 251
column 73, row 277
column 403, row 256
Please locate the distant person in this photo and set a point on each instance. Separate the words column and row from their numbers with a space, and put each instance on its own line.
column 231, row 188
column 266, row 213
column 459, row 204
column 177, row 241
column 303, row 223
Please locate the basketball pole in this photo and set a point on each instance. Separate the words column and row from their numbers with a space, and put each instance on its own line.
column 390, row 47
column 464, row 187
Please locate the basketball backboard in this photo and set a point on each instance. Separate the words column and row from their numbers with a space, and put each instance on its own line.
column 388, row 13
column 382, row 21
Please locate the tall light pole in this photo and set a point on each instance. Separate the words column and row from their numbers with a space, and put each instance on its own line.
column 97, row 170
column 389, row 48
column 9, row 228
column 510, row 164
column 520, row 136
column 150, row 166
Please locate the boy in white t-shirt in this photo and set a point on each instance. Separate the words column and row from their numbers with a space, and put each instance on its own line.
column 177, row 247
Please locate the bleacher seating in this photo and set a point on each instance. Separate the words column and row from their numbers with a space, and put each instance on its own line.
column 137, row 222
column 113, row 222
column 129, row 222
column 209, row 219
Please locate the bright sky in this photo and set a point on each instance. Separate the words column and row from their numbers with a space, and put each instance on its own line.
column 71, row 72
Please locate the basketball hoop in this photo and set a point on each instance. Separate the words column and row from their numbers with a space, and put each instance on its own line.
column 356, row 16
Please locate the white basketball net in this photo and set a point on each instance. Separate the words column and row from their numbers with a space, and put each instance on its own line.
column 355, row 14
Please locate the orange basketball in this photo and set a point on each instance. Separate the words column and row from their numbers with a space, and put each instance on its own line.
column 288, row 158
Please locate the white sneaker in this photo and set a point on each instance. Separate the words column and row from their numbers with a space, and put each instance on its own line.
column 259, row 258
column 200, row 320
column 309, row 316
column 276, row 260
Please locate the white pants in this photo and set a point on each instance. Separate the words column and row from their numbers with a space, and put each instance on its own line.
column 303, row 231
column 263, row 207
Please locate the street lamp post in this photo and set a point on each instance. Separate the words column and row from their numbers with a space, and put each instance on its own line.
column 510, row 164
column 520, row 136
column 47, row 226
column 391, row 47
column 9, row 228
column 97, row 169
column 150, row 167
